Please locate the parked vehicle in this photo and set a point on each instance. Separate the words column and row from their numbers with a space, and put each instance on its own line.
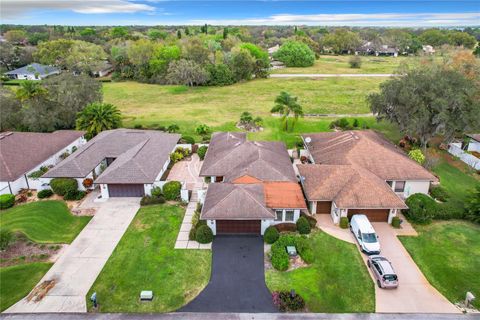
column 363, row 231
column 383, row 272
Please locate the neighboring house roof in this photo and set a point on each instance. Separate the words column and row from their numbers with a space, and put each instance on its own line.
column 21, row 152
column 139, row 156
column 349, row 186
column 230, row 155
column 35, row 68
column 474, row 136
column 365, row 149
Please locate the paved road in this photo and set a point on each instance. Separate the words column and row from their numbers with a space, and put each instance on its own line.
column 76, row 270
column 237, row 283
column 328, row 75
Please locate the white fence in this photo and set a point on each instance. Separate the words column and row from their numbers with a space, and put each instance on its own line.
column 456, row 150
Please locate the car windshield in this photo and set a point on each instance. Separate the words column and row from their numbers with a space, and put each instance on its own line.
column 390, row 277
column 369, row 237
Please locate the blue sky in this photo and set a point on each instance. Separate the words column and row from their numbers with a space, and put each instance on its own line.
column 266, row 12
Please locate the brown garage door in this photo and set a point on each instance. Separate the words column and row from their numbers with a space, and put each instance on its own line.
column 374, row 215
column 126, row 190
column 238, row 226
column 324, row 207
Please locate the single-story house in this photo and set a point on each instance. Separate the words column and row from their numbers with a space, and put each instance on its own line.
column 359, row 172
column 104, row 69
column 34, row 71
column 474, row 142
column 123, row 162
column 253, row 185
column 467, row 150
column 428, row 49
column 22, row 153
column 369, row 48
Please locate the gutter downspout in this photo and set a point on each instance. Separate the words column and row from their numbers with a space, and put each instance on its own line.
column 9, row 187
column 26, row 180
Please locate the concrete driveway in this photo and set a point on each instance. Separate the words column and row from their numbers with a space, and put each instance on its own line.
column 76, row 270
column 237, row 283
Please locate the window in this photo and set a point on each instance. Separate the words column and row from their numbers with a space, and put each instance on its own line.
column 278, row 215
column 390, row 183
column 289, row 215
column 399, row 186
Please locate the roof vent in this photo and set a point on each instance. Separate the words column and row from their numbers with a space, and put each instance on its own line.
column 308, row 139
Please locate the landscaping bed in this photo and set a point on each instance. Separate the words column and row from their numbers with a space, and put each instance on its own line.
column 26, row 251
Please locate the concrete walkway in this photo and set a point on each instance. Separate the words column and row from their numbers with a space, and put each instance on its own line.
column 76, row 270
column 414, row 293
column 187, row 171
column 328, row 75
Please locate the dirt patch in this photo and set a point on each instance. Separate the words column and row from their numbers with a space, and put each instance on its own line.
column 24, row 250
column 83, row 212
column 41, row 290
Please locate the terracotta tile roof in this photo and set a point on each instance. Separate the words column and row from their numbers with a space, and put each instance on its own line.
column 368, row 150
column 246, row 179
column 284, row 195
column 350, row 186
column 139, row 156
column 20, row 152
column 230, row 155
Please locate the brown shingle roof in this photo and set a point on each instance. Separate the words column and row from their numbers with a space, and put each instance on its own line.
column 349, row 186
column 139, row 156
column 230, row 155
column 20, row 152
column 367, row 150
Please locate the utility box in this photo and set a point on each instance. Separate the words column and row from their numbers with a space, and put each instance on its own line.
column 292, row 251
column 146, row 295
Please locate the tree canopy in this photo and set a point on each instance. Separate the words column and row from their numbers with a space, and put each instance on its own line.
column 97, row 117
column 295, row 54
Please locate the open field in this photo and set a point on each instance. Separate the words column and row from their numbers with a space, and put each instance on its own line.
column 370, row 64
column 145, row 259
column 337, row 281
column 448, row 253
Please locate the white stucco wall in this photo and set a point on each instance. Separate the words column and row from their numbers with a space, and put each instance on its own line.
column 412, row 187
column 474, row 146
column 104, row 191
column 213, row 226
column 265, row 224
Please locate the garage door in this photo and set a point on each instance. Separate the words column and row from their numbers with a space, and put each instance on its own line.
column 374, row 215
column 238, row 226
column 324, row 207
column 126, row 190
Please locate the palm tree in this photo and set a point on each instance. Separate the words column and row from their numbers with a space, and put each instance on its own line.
column 97, row 117
column 29, row 90
column 286, row 104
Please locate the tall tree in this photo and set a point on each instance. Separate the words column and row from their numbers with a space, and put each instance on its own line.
column 30, row 90
column 10, row 110
column 97, row 117
column 186, row 72
column 285, row 104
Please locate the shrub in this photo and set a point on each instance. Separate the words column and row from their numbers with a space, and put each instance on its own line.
column 157, row 192
column 439, row 193
column 220, row 75
column 87, row 183
column 148, row 200
column 472, row 205
column 46, row 193
column 311, row 220
column 176, row 156
column 341, row 123
column 7, row 201
column 192, row 234
column 417, row 155
column 344, row 222
column 61, row 186
column 72, row 195
column 355, row 62
column 6, row 238
column 295, row 54
column 305, row 250
column 271, row 235
column 447, row 211
column 188, row 139
column 279, row 259
column 421, row 208
column 303, row 226
column 356, row 123
column 171, row 190
column 184, row 151
column 286, row 227
column 288, row 301
column 37, row 174
column 204, row 234
column 202, row 151
column 396, row 222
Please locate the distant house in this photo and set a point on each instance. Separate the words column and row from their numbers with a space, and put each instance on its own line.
column 34, row 71
column 428, row 49
column 22, row 153
column 467, row 150
column 369, row 48
column 273, row 49
column 103, row 70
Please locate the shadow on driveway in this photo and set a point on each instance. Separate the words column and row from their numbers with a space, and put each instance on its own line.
column 237, row 283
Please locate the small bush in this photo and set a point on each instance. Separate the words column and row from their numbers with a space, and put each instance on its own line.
column 6, row 238
column 280, row 259
column 439, row 193
column 192, row 234
column 344, row 222
column 156, row 192
column 7, row 201
column 355, row 62
column 311, row 220
column 305, row 250
column 184, row 151
column 171, row 190
column 148, row 200
column 202, row 151
column 396, row 222
column 204, row 234
column 176, row 156
column 341, row 123
column 288, row 301
column 271, row 235
column 61, row 186
column 417, row 155
column 286, row 227
column 73, row 195
column 47, row 193
column 421, row 208
column 188, row 139
column 303, row 226
column 87, row 183
column 37, row 174
column 447, row 211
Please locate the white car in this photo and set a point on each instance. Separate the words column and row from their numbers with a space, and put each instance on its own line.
column 363, row 231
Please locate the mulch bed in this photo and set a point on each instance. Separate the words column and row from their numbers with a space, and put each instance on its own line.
column 24, row 250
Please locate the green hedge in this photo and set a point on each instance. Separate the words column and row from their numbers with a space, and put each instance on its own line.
column 271, row 235
column 421, row 208
column 202, row 151
column 171, row 190
column 204, row 234
column 7, row 201
column 396, row 222
column 42, row 194
column 62, row 186
column 148, row 200
column 303, row 226
column 279, row 255
column 439, row 193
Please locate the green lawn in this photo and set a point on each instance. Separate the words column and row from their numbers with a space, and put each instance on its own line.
column 448, row 253
column 17, row 281
column 145, row 259
column 370, row 64
column 337, row 281
column 44, row 221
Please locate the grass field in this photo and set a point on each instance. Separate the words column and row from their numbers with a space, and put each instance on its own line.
column 370, row 64
column 337, row 281
column 145, row 259
column 448, row 253
column 44, row 221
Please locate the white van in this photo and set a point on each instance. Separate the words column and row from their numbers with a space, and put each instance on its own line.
column 365, row 234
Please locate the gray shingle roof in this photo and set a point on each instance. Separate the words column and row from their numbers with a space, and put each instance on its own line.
column 139, row 156
column 35, row 68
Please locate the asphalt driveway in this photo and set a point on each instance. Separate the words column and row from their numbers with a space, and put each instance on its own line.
column 237, row 283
